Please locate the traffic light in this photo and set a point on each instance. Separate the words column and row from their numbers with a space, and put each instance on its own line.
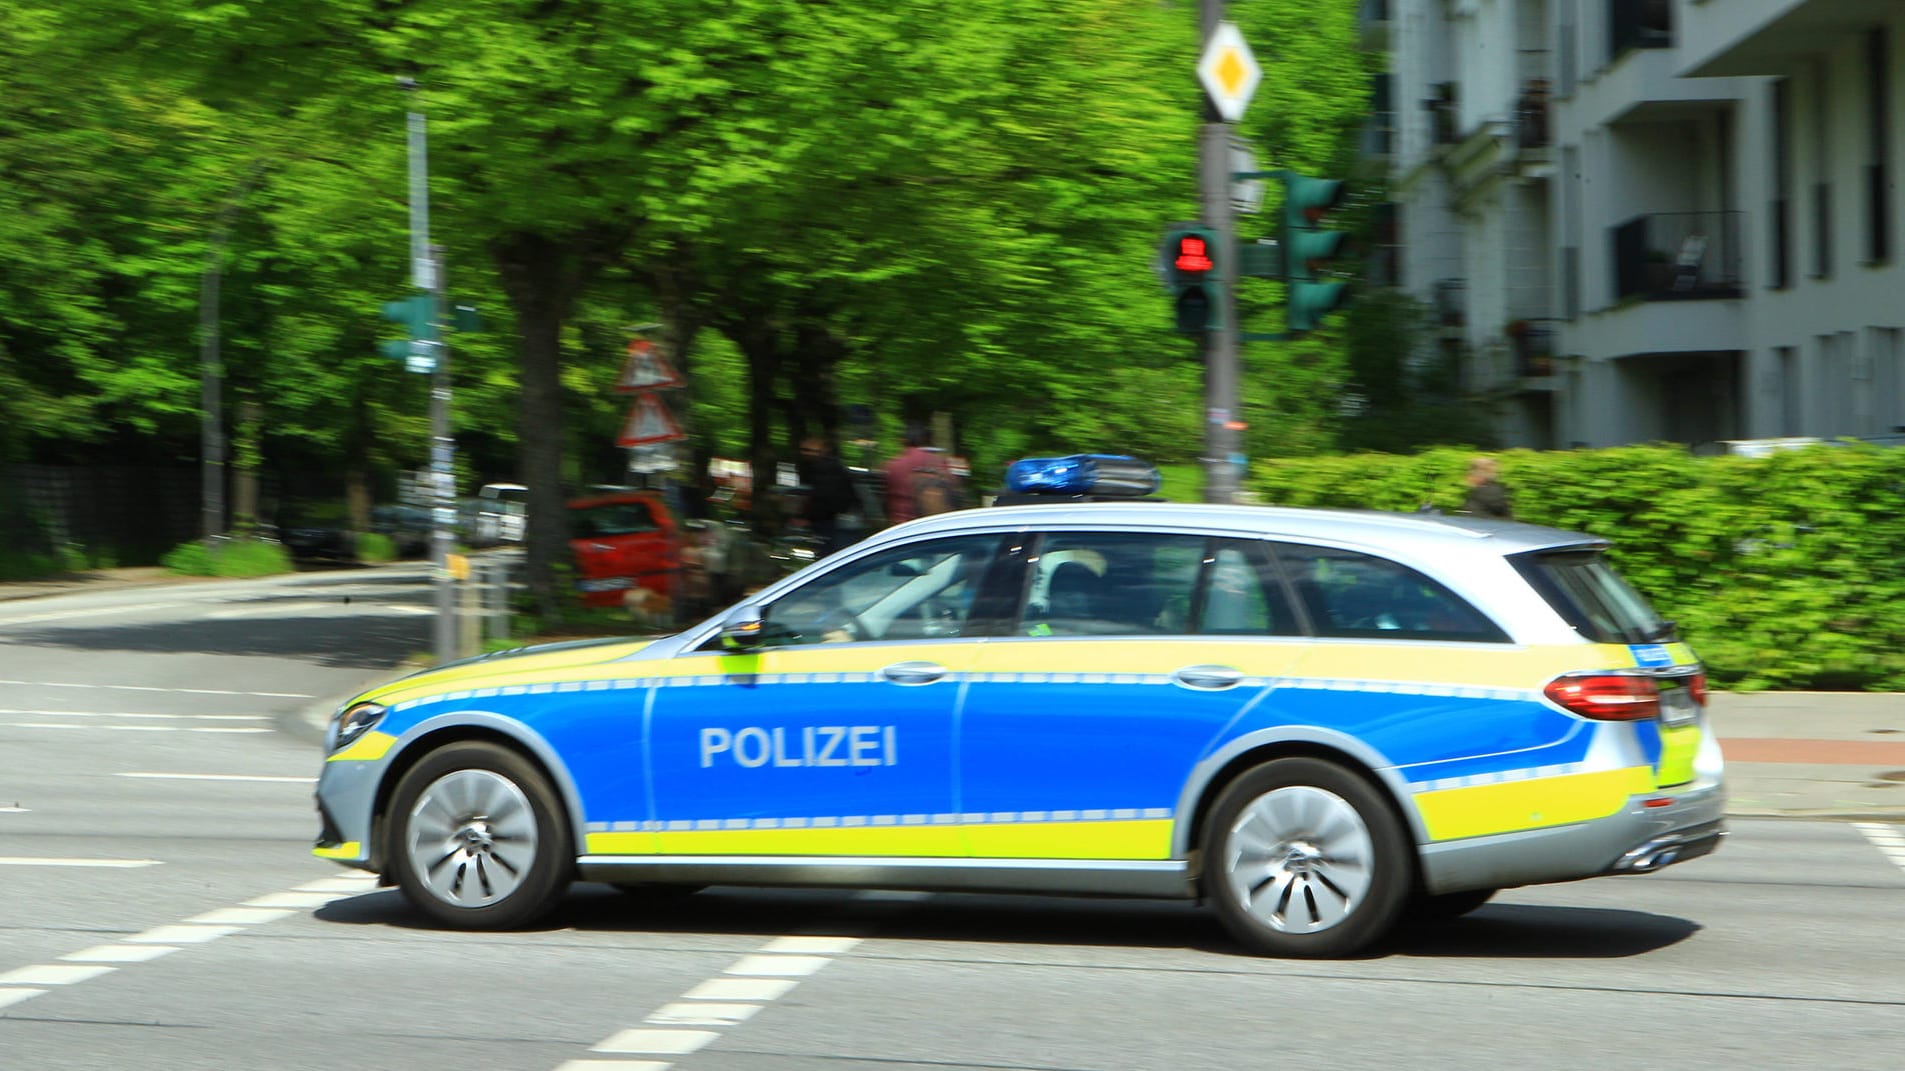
column 418, row 315
column 1306, row 245
column 1189, row 258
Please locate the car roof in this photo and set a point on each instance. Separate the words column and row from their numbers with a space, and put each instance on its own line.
column 1416, row 531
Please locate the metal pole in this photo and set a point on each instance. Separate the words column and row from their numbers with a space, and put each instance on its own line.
column 1221, row 416
column 426, row 274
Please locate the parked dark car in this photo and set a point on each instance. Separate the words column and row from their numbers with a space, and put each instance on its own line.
column 407, row 527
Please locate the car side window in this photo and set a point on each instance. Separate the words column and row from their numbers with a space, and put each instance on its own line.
column 916, row 592
column 1361, row 596
column 1110, row 584
column 1241, row 597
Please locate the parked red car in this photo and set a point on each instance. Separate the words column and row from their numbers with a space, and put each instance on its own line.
column 626, row 542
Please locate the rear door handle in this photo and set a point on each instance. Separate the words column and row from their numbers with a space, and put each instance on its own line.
column 914, row 672
column 1210, row 678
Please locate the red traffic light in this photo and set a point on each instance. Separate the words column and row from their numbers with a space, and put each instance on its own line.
column 1193, row 254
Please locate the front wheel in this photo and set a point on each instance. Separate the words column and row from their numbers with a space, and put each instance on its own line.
column 477, row 838
column 1303, row 858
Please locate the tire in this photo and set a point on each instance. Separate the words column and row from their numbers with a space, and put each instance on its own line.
column 478, row 840
column 1432, row 908
column 1303, row 858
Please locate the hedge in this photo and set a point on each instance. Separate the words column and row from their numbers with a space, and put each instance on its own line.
column 1783, row 571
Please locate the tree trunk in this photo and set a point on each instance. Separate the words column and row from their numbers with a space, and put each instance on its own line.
column 541, row 292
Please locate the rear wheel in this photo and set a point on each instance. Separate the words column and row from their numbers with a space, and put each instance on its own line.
column 477, row 838
column 1304, row 858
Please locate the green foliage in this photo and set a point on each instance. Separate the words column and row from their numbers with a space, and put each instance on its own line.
column 1782, row 571
column 231, row 558
column 375, row 547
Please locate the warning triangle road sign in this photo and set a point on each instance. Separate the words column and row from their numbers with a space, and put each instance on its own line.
column 645, row 369
column 648, row 421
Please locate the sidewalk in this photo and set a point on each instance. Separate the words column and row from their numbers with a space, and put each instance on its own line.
column 1792, row 754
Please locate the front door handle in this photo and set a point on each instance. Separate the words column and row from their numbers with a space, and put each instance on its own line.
column 914, row 672
column 1209, row 678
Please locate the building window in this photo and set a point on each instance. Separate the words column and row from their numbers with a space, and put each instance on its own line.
column 1780, row 217
column 1822, row 183
column 1791, row 401
column 1878, row 177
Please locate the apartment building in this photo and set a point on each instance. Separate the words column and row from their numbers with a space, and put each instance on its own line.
column 1657, row 220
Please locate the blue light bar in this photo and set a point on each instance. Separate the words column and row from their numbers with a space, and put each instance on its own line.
column 1083, row 474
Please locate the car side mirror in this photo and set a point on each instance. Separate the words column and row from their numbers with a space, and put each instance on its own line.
column 743, row 629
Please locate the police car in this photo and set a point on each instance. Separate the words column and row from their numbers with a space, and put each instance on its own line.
column 1319, row 722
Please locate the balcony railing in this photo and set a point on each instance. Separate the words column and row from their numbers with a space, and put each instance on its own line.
column 1638, row 24
column 1531, row 115
column 1678, row 256
column 1534, row 343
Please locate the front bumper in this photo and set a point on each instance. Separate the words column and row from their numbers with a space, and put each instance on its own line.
column 346, row 803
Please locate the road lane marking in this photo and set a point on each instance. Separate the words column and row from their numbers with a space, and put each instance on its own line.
column 264, row 778
column 135, row 728
column 21, row 984
column 241, row 916
column 1888, row 839
column 31, row 860
column 656, row 1042
column 292, row 899
column 14, row 809
column 136, row 715
column 154, row 688
column 741, row 989
column 54, row 974
column 772, row 966
column 718, row 1002
column 119, row 953
column 702, row 1013
column 182, row 935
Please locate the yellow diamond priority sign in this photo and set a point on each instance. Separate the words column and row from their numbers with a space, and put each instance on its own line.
column 1229, row 72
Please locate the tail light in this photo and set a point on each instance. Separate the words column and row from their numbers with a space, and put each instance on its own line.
column 1607, row 696
column 1697, row 687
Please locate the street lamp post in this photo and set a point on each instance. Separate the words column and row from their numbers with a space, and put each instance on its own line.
column 426, row 274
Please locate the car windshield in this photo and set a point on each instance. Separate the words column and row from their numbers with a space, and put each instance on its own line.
column 613, row 519
column 1586, row 591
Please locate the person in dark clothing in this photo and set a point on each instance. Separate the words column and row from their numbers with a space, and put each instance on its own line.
column 829, row 492
column 1486, row 496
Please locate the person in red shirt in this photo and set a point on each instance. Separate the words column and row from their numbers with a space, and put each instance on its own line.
column 903, row 475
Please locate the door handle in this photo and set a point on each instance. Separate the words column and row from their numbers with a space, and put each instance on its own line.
column 1209, row 678
column 914, row 672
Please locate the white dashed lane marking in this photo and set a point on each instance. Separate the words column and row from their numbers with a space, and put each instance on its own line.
column 1889, row 839
column 766, row 974
column 153, row 688
column 25, row 983
column 260, row 778
column 111, row 864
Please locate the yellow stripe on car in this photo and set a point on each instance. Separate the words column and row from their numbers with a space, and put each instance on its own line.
column 1531, row 803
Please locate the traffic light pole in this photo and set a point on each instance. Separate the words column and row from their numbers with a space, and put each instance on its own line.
column 426, row 269
column 1222, row 422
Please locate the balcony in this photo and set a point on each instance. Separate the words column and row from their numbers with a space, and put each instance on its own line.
column 1638, row 24
column 1678, row 256
column 1534, row 344
column 1531, row 115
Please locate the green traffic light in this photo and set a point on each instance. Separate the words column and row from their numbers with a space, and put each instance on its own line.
column 1307, row 245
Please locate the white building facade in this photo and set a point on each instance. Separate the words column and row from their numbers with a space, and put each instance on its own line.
column 1658, row 220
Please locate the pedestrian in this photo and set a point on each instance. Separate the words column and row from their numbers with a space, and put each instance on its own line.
column 830, row 492
column 919, row 481
column 1486, row 495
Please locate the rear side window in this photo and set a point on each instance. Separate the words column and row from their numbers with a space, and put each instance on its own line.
column 1589, row 595
column 1360, row 596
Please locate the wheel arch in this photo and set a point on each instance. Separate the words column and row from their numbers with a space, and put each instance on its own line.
column 442, row 730
column 1216, row 772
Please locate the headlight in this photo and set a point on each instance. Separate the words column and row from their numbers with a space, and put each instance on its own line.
column 354, row 721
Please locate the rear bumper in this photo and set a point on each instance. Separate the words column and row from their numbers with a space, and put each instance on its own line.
column 1652, row 831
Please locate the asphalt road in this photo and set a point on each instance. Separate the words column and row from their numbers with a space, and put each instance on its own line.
column 159, row 910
